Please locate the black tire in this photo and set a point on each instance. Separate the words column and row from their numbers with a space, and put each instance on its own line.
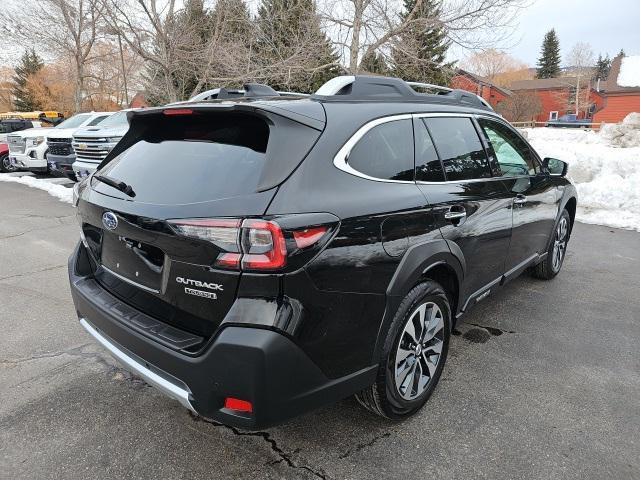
column 5, row 167
column 384, row 397
column 551, row 266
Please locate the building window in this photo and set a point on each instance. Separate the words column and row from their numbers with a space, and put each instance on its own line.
column 553, row 115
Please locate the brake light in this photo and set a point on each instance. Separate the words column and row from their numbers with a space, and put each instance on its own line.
column 178, row 111
column 238, row 405
column 263, row 245
column 251, row 244
column 309, row 236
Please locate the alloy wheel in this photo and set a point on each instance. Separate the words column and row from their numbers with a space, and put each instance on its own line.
column 6, row 164
column 419, row 350
column 559, row 244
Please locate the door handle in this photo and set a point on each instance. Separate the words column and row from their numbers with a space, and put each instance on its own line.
column 455, row 213
column 520, row 199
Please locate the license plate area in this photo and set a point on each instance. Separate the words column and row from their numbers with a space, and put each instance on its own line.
column 133, row 261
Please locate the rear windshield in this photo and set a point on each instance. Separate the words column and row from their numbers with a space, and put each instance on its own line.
column 192, row 159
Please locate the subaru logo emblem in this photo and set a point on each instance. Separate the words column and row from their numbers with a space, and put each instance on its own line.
column 109, row 220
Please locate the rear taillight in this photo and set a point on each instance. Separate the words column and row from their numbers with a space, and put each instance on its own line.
column 263, row 245
column 251, row 244
column 308, row 236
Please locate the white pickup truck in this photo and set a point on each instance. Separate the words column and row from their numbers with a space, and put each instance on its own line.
column 28, row 148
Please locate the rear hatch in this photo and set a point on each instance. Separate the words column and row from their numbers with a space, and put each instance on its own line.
column 165, row 244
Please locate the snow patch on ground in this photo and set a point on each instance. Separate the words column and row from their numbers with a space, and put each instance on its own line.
column 629, row 75
column 607, row 177
column 63, row 193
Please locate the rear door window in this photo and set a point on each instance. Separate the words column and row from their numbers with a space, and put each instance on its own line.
column 385, row 151
column 190, row 159
column 428, row 165
column 459, row 147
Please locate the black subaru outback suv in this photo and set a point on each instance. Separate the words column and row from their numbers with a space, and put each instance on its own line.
column 260, row 255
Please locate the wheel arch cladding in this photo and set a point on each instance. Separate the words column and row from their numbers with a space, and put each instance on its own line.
column 422, row 258
column 571, row 206
column 426, row 261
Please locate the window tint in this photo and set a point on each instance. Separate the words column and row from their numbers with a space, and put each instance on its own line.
column 459, row 148
column 187, row 160
column 118, row 119
column 385, row 151
column 97, row 120
column 428, row 165
column 74, row 122
column 512, row 153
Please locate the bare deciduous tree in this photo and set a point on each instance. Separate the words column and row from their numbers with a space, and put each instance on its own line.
column 151, row 28
column 490, row 63
column 581, row 63
column 66, row 28
column 520, row 107
column 359, row 27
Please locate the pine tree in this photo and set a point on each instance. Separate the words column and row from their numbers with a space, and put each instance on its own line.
column 549, row 61
column 420, row 55
column 30, row 64
column 374, row 63
column 294, row 52
column 622, row 53
column 603, row 65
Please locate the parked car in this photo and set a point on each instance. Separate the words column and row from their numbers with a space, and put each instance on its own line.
column 258, row 257
column 28, row 149
column 570, row 121
column 5, row 165
column 93, row 144
column 11, row 125
column 8, row 126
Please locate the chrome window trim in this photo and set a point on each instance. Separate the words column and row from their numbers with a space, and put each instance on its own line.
column 340, row 161
column 341, row 158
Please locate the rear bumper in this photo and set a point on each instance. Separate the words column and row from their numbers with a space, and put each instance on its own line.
column 258, row 365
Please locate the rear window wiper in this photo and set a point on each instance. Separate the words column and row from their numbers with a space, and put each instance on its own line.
column 117, row 184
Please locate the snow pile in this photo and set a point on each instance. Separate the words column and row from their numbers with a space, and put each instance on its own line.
column 629, row 75
column 63, row 193
column 625, row 134
column 607, row 177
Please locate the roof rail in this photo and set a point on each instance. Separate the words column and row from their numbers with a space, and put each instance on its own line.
column 391, row 89
column 429, row 85
column 248, row 90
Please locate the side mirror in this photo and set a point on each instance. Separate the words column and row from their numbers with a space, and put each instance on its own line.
column 555, row 166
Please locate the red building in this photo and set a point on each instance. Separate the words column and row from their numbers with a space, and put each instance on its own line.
column 557, row 96
column 618, row 101
column 481, row 86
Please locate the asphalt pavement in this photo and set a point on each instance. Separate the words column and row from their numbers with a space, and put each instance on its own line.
column 542, row 382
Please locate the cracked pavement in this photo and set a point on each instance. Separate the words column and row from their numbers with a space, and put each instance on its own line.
column 542, row 381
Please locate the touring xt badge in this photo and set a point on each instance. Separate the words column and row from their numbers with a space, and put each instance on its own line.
column 199, row 284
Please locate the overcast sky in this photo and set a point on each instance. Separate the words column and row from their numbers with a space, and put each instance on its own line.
column 608, row 25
